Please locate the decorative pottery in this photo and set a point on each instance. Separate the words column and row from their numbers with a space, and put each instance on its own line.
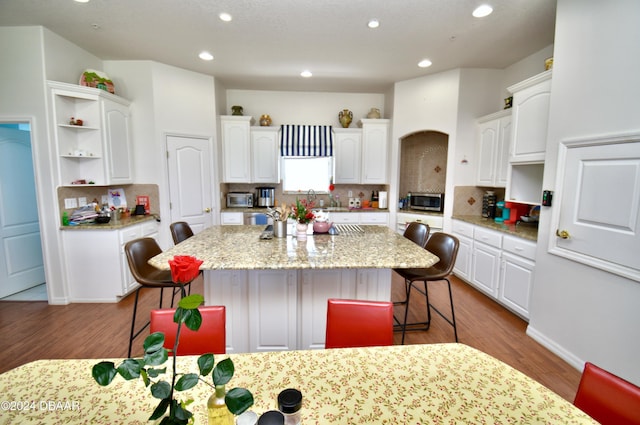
column 374, row 113
column 345, row 117
column 548, row 63
column 301, row 231
column 321, row 226
column 237, row 110
column 265, row 120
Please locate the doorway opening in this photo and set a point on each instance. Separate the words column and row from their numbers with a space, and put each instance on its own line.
column 21, row 260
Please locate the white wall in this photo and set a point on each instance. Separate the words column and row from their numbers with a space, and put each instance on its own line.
column 582, row 313
column 523, row 69
column 305, row 108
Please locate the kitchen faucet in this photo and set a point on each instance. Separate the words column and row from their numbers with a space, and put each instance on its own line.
column 311, row 196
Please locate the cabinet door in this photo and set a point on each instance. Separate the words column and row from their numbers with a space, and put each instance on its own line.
column 374, row 152
column 273, row 312
column 127, row 282
column 462, row 268
column 230, row 289
column 117, row 142
column 516, row 281
column 348, row 156
column 530, row 120
column 485, row 268
column 373, row 284
column 317, row 287
column 502, row 152
column 236, row 150
column 264, row 155
column 487, row 147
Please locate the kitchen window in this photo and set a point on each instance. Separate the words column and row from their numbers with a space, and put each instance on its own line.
column 301, row 174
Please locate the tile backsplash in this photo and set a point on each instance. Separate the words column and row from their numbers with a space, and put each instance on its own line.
column 423, row 162
column 97, row 192
column 467, row 200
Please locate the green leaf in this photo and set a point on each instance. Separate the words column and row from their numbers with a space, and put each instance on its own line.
column 180, row 413
column 238, row 400
column 145, row 377
column 191, row 302
column 193, row 319
column 156, row 358
column 160, row 409
column 206, row 363
column 104, row 372
column 154, row 373
column 153, row 342
column 129, row 369
column 223, row 372
column 187, row 381
column 161, row 390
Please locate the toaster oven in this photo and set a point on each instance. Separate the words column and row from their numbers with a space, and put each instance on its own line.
column 426, row 201
column 239, row 200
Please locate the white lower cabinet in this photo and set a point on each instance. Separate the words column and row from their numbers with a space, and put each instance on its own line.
column 97, row 267
column 272, row 310
column 375, row 218
column 500, row 265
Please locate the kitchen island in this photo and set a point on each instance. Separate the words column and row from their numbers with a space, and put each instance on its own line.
column 276, row 290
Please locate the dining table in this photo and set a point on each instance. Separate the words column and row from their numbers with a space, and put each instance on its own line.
column 402, row 384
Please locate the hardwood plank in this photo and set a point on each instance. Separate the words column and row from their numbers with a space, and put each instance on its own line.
column 36, row 330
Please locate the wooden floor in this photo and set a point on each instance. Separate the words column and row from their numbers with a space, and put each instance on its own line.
column 36, row 330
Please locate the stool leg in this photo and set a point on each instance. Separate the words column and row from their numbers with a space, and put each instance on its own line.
column 406, row 310
column 133, row 322
column 453, row 315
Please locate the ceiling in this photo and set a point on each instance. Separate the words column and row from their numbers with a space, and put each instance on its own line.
column 269, row 42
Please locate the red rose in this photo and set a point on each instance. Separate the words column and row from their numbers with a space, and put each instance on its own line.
column 331, row 187
column 184, row 268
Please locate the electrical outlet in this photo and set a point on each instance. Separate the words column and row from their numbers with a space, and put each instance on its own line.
column 350, row 195
column 82, row 201
column 105, row 199
column 70, row 203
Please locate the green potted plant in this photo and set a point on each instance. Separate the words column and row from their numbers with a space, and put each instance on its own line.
column 150, row 367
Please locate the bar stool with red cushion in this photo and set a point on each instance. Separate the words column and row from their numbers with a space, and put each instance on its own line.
column 358, row 323
column 608, row 398
column 210, row 338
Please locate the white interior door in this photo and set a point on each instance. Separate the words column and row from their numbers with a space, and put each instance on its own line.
column 599, row 205
column 21, row 265
column 190, row 180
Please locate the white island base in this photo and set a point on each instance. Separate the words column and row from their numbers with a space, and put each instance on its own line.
column 273, row 310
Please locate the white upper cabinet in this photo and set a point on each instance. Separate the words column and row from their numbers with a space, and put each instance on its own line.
column 530, row 118
column 236, row 149
column 494, row 138
column 250, row 154
column 347, row 147
column 375, row 149
column 92, row 133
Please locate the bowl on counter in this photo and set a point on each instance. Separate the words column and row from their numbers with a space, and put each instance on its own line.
column 103, row 219
column 321, row 226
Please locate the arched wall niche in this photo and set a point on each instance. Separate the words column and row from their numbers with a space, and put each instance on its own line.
column 423, row 162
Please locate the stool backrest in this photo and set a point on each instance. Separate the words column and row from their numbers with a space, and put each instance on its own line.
column 138, row 252
column 607, row 398
column 445, row 247
column 358, row 323
column 417, row 232
column 180, row 231
column 210, row 338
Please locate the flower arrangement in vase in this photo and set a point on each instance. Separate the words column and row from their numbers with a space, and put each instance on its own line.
column 149, row 368
column 303, row 215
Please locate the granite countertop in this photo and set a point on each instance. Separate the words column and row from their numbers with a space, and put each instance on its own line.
column 111, row 225
column 522, row 230
column 240, row 248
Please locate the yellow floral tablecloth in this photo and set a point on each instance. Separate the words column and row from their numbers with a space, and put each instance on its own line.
column 413, row 384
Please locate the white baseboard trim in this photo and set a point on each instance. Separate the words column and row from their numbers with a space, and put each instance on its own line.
column 555, row 348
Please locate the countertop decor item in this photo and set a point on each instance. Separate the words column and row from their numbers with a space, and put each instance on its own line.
column 345, row 117
column 265, row 120
column 301, row 211
column 237, row 110
column 374, row 113
column 97, row 79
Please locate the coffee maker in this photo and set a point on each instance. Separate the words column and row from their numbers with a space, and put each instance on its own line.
column 265, row 196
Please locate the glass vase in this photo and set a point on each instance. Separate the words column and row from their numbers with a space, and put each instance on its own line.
column 301, row 231
column 217, row 408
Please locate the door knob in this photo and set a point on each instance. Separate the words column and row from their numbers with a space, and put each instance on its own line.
column 563, row 234
column 207, row 210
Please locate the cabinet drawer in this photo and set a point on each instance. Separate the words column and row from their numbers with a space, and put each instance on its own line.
column 488, row 237
column 130, row 233
column 519, row 246
column 345, row 218
column 232, row 218
column 374, row 218
column 149, row 228
column 462, row 228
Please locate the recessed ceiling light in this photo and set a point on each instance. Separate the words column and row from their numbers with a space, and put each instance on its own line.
column 82, row 1
column 205, row 56
column 482, row 11
column 306, row 73
column 225, row 17
column 374, row 23
column 424, row 63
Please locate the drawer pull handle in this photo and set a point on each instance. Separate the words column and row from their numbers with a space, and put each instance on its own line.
column 563, row 234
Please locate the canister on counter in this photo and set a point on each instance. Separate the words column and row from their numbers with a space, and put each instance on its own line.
column 290, row 404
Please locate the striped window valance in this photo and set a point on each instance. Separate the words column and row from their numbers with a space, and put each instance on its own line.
column 306, row 140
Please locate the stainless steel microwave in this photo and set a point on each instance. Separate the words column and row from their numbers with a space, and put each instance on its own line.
column 427, row 201
column 239, row 200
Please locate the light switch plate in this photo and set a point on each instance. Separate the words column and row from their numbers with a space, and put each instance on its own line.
column 70, row 203
column 82, row 201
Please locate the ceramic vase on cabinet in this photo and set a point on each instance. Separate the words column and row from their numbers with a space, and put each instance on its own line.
column 345, row 117
column 374, row 113
column 265, row 120
column 301, row 231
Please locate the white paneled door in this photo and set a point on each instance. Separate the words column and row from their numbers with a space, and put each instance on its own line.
column 598, row 212
column 21, row 265
column 190, row 180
